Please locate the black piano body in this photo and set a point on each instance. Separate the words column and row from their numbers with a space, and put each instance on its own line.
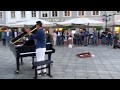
column 24, row 48
column 28, row 50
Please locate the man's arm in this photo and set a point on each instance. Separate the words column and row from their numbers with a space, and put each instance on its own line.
column 33, row 36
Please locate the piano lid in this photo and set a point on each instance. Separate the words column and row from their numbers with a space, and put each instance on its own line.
column 19, row 37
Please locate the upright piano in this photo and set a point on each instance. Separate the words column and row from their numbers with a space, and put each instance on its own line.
column 26, row 48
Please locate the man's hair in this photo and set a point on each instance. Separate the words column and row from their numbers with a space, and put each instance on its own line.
column 39, row 23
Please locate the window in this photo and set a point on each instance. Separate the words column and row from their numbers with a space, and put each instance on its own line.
column 33, row 13
column 12, row 14
column 54, row 13
column 23, row 14
column 44, row 14
column 1, row 15
column 81, row 13
column 67, row 13
column 96, row 13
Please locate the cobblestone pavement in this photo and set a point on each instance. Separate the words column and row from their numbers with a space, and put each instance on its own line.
column 105, row 64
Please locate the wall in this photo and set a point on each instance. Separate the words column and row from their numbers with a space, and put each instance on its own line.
column 7, row 16
column 18, row 16
column 3, row 20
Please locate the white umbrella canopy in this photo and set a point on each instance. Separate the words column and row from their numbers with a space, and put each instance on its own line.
column 91, row 21
column 16, row 24
column 32, row 22
column 3, row 24
column 94, row 22
column 81, row 21
column 73, row 21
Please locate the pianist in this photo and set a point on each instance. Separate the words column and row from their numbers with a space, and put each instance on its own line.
column 40, row 37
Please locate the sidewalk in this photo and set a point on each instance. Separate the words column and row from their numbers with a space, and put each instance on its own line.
column 105, row 64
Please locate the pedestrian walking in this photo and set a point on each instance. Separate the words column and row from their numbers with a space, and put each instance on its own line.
column 103, row 37
column 8, row 36
column 3, row 37
column 54, row 35
column 109, row 38
column 95, row 37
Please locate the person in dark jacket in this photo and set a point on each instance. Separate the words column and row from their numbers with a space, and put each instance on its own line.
column 86, row 33
column 95, row 36
column 14, row 33
column 109, row 38
column 3, row 37
column 103, row 37
column 49, row 38
column 80, row 38
column 115, row 41
column 8, row 36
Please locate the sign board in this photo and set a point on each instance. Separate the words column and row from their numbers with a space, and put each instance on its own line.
column 56, row 19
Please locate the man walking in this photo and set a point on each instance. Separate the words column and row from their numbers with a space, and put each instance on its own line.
column 3, row 37
column 8, row 36
column 95, row 36
column 40, row 44
column 109, row 38
column 58, row 38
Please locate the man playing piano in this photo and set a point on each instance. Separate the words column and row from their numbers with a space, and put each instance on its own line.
column 40, row 38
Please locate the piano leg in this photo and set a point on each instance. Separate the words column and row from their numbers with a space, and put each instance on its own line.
column 22, row 61
column 32, row 62
column 35, row 77
column 49, row 68
column 17, row 63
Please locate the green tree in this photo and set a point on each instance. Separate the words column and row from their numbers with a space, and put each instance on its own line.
column 67, row 27
column 98, row 28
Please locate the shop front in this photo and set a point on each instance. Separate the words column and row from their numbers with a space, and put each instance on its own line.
column 116, row 26
column 117, row 31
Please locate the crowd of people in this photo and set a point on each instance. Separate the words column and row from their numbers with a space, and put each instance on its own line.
column 7, row 34
column 61, row 38
column 58, row 38
column 84, row 38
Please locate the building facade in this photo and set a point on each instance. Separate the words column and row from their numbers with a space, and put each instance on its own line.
column 7, row 17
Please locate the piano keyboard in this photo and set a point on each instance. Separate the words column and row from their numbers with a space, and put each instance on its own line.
column 34, row 52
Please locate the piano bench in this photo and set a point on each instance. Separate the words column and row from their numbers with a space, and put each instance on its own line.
column 40, row 63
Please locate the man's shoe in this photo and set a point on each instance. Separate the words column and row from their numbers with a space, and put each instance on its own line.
column 44, row 73
column 39, row 74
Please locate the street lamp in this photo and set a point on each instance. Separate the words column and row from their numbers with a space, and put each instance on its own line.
column 106, row 18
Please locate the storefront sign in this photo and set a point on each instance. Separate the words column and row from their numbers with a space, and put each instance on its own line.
column 56, row 19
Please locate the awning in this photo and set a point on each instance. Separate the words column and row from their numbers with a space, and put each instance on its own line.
column 31, row 22
column 84, row 21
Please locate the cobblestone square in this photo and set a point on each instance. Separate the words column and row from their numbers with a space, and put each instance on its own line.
column 105, row 64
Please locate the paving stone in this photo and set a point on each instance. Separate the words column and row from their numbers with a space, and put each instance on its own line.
column 105, row 76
